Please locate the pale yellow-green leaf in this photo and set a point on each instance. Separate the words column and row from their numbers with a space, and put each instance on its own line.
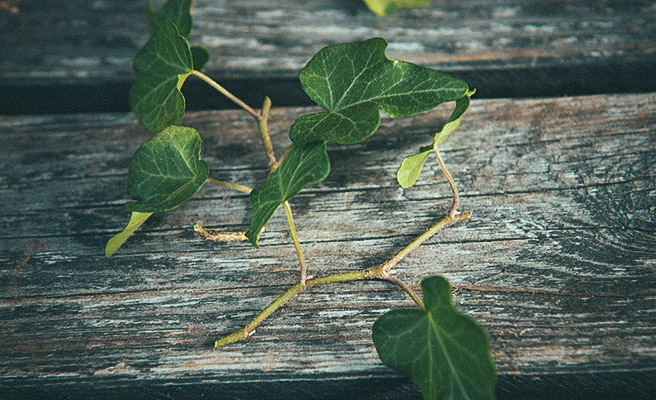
column 410, row 168
column 136, row 220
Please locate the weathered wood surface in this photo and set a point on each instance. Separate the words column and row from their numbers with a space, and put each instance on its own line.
column 558, row 260
column 83, row 49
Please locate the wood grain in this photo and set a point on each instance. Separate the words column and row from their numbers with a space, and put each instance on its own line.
column 77, row 55
column 557, row 261
column 87, row 41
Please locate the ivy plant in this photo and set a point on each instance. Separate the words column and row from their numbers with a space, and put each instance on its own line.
column 444, row 351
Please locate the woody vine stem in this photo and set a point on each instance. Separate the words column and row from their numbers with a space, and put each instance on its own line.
column 382, row 272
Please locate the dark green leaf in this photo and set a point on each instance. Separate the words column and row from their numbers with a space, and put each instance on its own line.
column 179, row 11
column 353, row 81
column 445, row 352
column 136, row 220
column 166, row 171
column 411, row 166
column 162, row 66
column 387, row 7
column 200, row 55
column 303, row 166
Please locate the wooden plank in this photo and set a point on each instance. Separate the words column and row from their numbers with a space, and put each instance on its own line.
column 557, row 261
column 57, row 52
column 87, row 41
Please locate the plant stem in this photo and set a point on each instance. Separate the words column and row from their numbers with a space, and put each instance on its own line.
column 380, row 272
column 454, row 206
column 262, row 124
column 249, row 329
column 226, row 93
column 297, row 244
column 406, row 289
column 441, row 224
column 229, row 185
column 214, row 236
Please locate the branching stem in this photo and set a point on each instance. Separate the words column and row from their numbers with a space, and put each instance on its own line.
column 380, row 272
column 226, row 93
column 262, row 124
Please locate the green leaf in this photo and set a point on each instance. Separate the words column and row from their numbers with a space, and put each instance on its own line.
column 411, row 166
column 353, row 81
column 453, row 123
column 445, row 352
column 200, row 55
column 162, row 66
column 166, row 171
column 303, row 166
column 387, row 7
column 179, row 11
column 136, row 220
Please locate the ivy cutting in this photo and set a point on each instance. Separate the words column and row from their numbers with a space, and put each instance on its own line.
column 445, row 352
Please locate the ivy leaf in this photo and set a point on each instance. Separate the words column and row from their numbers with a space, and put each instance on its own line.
column 411, row 166
column 166, row 171
column 387, row 7
column 303, row 166
column 136, row 220
column 352, row 81
column 200, row 55
column 179, row 11
column 445, row 352
column 162, row 66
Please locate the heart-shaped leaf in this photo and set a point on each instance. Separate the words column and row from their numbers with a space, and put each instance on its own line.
column 387, row 7
column 179, row 11
column 445, row 352
column 303, row 166
column 411, row 166
column 166, row 171
column 352, row 81
column 162, row 66
column 136, row 220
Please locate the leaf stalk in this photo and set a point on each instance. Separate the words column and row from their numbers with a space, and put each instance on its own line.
column 456, row 199
column 407, row 289
column 229, row 185
column 226, row 93
column 297, row 244
column 262, row 124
